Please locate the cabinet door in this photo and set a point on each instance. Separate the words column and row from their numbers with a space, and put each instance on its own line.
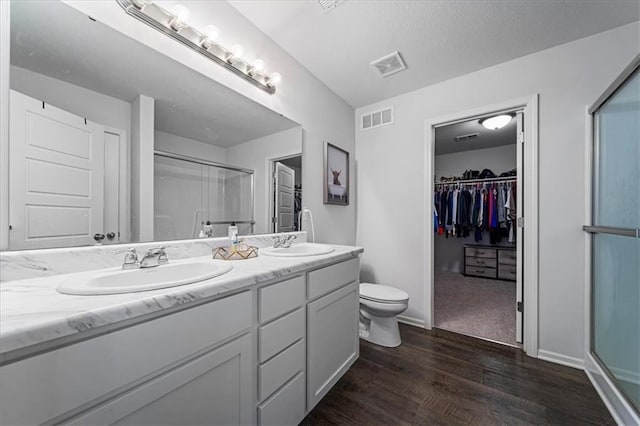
column 332, row 338
column 213, row 389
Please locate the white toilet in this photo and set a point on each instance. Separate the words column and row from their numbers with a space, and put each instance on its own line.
column 379, row 307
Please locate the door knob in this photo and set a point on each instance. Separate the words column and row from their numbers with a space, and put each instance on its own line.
column 98, row 237
column 111, row 235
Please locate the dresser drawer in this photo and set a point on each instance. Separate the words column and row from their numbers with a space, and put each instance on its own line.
column 507, row 257
column 286, row 407
column 281, row 333
column 483, row 262
column 325, row 280
column 507, row 272
column 480, row 272
column 277, row 371
column 278, row 299
column 480, row 252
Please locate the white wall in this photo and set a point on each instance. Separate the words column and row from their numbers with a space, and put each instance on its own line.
column 190, row 147
column 142, row 136
column 255, row 155
column 93, row 106
column 300, row 97
column 567, row 79
column 448, row 254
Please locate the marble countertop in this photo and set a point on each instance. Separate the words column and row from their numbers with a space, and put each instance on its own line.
column 33, row 314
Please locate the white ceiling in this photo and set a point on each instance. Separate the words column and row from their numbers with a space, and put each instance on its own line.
column 51, row 38
column 438, row 39
column 447, row 144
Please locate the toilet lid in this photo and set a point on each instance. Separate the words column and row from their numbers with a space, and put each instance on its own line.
column 382, row 293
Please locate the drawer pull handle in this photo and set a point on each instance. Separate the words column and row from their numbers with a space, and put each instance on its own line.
column 479, row 272
column 480, row 253
column 480, row 262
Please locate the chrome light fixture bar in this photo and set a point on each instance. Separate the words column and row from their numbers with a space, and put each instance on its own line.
column 174, row 24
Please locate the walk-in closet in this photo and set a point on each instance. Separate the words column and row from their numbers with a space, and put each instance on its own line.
column 475, row 228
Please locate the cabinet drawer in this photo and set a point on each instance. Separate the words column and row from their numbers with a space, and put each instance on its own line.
column 286, row 407
column 483, row 262
column 216, row 385
column 82, row 372
column 480, row 272
column 277, row 371
column 281, row 333
column 480, row 252
column 507, row 257
column 280, row 298
column 325, row 280
column 507, row 272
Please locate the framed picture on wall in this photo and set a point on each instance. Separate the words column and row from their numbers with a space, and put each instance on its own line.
column 336, row 175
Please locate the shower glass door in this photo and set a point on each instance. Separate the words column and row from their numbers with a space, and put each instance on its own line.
column 615, row 287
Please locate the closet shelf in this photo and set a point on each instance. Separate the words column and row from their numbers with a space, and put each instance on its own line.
column 497, row 179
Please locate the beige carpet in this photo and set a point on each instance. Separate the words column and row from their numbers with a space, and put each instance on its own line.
column 476, row 306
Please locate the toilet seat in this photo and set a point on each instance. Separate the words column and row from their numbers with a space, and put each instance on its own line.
column 382, row 293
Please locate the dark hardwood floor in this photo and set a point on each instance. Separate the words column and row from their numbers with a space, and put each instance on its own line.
column 437, row 377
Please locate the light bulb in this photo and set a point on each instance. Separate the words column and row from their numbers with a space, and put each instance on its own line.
column 211, row 33
column 497, row 122
column 140, row 3
column 258, row 65
column 275, row 78
column 180, row 17
column 237, row 51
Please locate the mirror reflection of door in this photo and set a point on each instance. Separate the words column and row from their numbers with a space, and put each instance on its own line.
column 284, row 198
column 64, row 177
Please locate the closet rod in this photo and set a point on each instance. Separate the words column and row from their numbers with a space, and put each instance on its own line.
column 497, row 179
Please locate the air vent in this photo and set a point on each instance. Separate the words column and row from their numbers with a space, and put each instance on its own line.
column 389, row 64
column 329, row 5
column 377, row 118
column 467, row 137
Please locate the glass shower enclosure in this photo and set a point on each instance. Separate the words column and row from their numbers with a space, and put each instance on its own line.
column 190, row 192
column 615, row 235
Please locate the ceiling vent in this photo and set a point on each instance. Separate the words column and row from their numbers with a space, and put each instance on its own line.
column 329, row 5
column 376, row 119
column 467, row 137
column 389, row 64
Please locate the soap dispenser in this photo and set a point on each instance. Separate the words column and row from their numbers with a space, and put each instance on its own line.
column 233, row 236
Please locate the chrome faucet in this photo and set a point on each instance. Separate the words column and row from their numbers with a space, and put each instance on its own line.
column 154, row 257
column 283, row 241
column 131, row 259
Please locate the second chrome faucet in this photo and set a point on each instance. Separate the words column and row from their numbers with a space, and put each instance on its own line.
column 154, row 257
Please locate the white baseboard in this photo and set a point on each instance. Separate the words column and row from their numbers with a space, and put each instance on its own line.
column 557, row 358
column 411, row 321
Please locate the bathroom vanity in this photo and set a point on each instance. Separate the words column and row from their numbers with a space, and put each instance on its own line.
column 260, row 345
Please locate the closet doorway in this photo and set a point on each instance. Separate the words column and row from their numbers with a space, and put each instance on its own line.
column 479, row 180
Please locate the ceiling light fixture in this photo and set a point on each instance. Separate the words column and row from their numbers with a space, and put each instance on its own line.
column 175, row 24
column 496, row 122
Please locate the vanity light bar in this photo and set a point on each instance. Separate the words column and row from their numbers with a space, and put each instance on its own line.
column 175, row 26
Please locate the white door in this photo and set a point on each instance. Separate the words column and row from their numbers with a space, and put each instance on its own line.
column 519, row 229
column 284, row 204
column 56, row 184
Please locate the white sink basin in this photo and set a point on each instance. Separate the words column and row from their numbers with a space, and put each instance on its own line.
column 298, row 250
column 116, row 281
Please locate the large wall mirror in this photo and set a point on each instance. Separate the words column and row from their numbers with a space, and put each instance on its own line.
column 113, row 142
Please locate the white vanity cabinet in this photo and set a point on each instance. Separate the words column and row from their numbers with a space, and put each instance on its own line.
column 264, row 355
column 116, row 376
column 332, row 326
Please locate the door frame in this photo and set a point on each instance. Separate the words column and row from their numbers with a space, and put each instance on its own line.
column 124, row 189
column 530, row 262
column 269, row 170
